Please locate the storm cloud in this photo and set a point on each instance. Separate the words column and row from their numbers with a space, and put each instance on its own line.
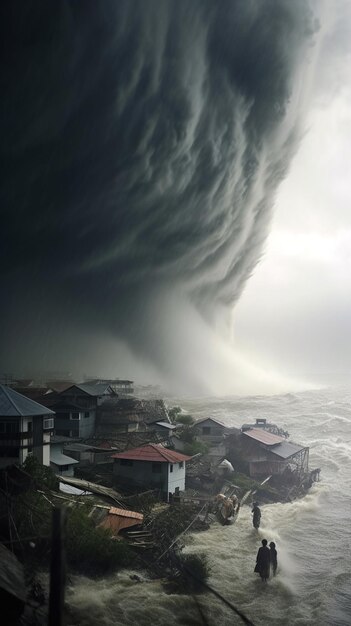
column 142, row 145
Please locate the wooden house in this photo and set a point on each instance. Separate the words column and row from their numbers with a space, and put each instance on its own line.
column 76, row 409
column 269, row 454
column 209, row 430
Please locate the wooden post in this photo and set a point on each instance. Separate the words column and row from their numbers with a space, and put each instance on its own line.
column 57, row 569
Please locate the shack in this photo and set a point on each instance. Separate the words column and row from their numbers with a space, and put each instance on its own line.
column 270, row 454
column 209, row 430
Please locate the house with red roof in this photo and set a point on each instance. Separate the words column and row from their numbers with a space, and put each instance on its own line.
column 152, row 467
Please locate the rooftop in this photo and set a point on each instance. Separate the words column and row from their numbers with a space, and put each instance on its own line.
column 285, row 450
column 152, row 452
column 209, row 419
column 263, row 436
column 14, row 404
column 98, row 389
column 58, row 458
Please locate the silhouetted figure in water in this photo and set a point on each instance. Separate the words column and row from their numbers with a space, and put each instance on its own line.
column 256, row 515
column 263, row 561
column 274, row 559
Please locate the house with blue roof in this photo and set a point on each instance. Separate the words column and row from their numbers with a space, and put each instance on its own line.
column 25, row 428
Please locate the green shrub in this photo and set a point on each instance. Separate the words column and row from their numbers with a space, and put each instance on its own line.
column 186, row 420
column 195, row 447
column 173, row 412
column 195, row 570
column 42, row 475
column 91, row 549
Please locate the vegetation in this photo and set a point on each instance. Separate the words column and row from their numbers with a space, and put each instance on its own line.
column 42, row 475
column 88, row 549
column 186, row 420
column 91, row 550
column 195, row 571
column 195, row 447
column 173, row 412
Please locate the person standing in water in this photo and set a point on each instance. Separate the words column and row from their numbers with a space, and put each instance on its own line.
column 256, row 515
column 263, row 561
column 274, row 559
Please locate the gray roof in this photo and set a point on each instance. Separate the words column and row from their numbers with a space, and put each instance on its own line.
column 58, row 458
column 91, row 389
column 209, row 419
column 77, row 447
column 286, row 449
column 166, row 425
column 14, row 404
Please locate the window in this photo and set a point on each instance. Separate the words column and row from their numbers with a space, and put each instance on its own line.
column 75, row 415
column 156, row 468
column 126, row 462
column 171, row 468
column 206, row 430
column 181, row 465
column 48, row 423
column 30, row 427
column 30, row 450
column 64, row 468
column 87, row 414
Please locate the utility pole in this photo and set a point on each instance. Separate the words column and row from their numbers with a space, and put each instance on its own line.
column 57, row 568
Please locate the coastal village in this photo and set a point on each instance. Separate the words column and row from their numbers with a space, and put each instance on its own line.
column 112, row 463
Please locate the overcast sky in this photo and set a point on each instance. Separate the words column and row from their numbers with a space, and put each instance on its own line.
column 294, row 316
column 139, row 173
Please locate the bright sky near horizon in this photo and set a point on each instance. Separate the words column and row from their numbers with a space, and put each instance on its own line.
column 295, row 313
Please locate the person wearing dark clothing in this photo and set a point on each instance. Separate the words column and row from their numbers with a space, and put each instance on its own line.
column 274, row 559
column 263, row 561
column 256, row 515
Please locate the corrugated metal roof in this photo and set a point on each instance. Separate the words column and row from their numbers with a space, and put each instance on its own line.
column 124, row 513
column 58, row 458
column 14, row 404
column 263, row 436
column 152, row 452
column 166, row 425
column 286, row 449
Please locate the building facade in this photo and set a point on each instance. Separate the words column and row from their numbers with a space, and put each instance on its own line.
column 76, row 409
column 153, row 467
column 25, row 428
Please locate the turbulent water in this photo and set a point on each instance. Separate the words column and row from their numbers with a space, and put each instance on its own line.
column 312, row 535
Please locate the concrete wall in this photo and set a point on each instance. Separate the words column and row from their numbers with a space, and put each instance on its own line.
column 141, row 473
column 87, row 424
column 83, row 427
column 57, row 469
column 176, row 478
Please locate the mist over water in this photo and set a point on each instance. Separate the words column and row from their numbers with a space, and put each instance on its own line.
column 313, row 535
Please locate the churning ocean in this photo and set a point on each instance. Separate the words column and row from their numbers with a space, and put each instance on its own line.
column 313, row 535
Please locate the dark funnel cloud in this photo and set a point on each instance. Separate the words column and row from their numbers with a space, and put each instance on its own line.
column 141, row 146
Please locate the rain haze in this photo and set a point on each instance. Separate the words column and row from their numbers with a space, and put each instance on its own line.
column 145, row 149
